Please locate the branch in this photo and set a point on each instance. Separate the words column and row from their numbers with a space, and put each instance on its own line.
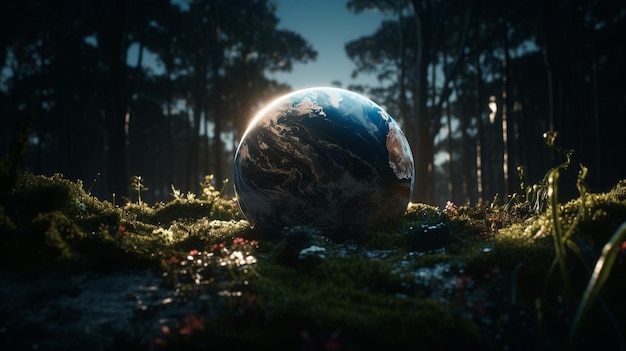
column 447, row 90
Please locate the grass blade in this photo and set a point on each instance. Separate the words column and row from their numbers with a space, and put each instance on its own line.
column 598, row 278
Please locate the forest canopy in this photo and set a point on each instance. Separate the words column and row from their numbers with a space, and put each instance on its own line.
column 164, row 89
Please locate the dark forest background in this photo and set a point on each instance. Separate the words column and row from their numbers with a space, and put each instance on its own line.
column 164, row 89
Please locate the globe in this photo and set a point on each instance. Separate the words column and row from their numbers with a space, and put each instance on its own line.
column 325, row 158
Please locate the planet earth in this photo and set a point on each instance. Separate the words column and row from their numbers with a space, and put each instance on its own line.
column 325, row 158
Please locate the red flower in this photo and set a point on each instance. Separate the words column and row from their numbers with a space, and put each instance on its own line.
column 217, row 247
column 193, row 252
column 191, row 324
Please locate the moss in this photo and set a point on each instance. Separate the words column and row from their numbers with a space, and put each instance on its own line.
column 422, row 212
column 34, row 194
column 203, row 233
column 184, row 210
column 367, row 291
column 363, row 300
column 6, row 224
column 619, row 191
column 49, row 240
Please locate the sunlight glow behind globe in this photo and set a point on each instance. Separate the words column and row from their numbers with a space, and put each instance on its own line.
column 323, row 157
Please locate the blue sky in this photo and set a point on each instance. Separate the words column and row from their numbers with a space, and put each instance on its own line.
column 327, row 25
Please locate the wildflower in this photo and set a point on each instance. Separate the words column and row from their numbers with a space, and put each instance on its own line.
column 451, row 208
column 191, row 325
column 495, row 223
column 237, row 257
column 217, row 247
column 193, row 252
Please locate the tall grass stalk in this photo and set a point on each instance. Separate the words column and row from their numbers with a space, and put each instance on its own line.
column 598, row 278
column 558, row 233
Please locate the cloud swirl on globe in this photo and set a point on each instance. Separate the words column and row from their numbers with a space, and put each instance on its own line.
column 327, row 158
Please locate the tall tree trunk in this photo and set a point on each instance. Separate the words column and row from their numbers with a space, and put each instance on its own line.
column 193, row 153
column 403, row 107
column 466, row 195
column 449, row 149
column 423, row 189
column 111, row 37
column 218, row 54
column 466, row 166
column 479, row 126
column 505, row 105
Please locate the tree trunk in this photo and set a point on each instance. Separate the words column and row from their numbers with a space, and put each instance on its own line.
column 451, row 177
column 505, row 110
column 111, row 38
column 423, row 190
column 193, row 152
column 479, row 126
column 218, row 54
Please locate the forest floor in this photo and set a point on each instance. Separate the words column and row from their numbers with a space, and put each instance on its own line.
column 81, row 273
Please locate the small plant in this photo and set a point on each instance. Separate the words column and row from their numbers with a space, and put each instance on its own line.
column 136, row 183
column 537, row 196
column 179, row 196
column 209, row 190
column 222, row 268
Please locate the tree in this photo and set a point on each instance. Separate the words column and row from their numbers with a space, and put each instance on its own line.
column 118, row 23
column 217, row 56
column 424, row 122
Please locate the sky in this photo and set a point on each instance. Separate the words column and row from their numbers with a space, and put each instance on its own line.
column 327, row 25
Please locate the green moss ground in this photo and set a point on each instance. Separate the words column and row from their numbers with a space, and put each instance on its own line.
column 480, row 276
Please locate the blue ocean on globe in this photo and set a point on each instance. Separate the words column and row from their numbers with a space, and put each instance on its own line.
column 326, row 158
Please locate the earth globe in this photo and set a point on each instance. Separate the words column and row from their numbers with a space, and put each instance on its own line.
column 325, row 158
